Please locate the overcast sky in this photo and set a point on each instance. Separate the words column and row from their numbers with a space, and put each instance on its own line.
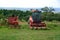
column 30, row 3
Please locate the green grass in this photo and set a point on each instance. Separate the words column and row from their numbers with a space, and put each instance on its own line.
column 27, row 34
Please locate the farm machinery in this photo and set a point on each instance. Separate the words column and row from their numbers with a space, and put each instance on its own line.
column 35, row 20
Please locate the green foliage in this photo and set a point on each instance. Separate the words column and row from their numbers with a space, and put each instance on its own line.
column 21, row 14
column 47, row 14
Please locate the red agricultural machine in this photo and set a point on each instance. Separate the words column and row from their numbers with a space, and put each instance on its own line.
column 13, row 22
column 36, row 24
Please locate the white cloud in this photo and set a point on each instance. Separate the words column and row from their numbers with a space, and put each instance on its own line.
column 29, row 3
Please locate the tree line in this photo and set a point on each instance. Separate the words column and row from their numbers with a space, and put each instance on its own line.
column 47, row 14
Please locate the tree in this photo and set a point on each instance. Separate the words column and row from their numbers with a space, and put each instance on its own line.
column 47, row 9
column 48, row 13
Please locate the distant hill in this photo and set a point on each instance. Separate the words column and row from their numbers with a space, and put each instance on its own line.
column 24, row 9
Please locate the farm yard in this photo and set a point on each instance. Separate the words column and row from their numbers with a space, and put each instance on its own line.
column 25, row 33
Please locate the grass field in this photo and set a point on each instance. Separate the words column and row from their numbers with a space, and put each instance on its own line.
column 27, row 34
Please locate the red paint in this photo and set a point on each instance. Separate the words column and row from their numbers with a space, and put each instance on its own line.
column 12, row 20
column 34, row 24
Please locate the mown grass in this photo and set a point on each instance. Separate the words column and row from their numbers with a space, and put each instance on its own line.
column 27, row 34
